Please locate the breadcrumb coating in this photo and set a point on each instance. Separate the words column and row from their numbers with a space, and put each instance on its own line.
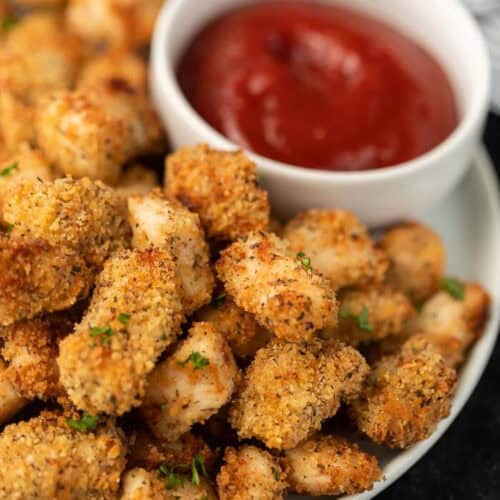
column 45, row 458
column 221, row 187
column 137, row 180
column 405, row 395
column 197, row 379
column 289, row 389
column 250, row 473
column 116, row 23
column 285, row 296
column 37, row 277
column 338, row 245
column 418, row 260
column 243, row 333
column 452, row 325
column 135, row 313
column 82, row 215
column 94, row 131
column 10, row 401
column 331, row 465
column 158, row 222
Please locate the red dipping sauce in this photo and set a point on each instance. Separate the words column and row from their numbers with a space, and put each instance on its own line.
column 318, row 86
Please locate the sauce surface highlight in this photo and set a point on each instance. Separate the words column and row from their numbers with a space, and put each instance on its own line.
column 318, row 86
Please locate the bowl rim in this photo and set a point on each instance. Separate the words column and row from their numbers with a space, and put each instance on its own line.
column 163, row 81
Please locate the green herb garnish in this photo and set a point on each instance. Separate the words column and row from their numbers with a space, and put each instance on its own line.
column 218, row 301
column 198, row 361
column 197, row 468
column 173, row 479
column 163, row 407
column 124, row 318
column 7, row 228
column 86, row 423
column 8, row 170
column 7, row 23
column 361, row 319
column 105, row 333
column 305, row 261
column 276, row 474
column 454, row 287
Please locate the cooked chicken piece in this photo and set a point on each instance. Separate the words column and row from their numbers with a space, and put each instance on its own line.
column 10, row 401
column 137, row 181
column 338, row 245
column 38, row 56
column 244, row 334
column 418, row 260
column 405, row 396
column 135, row 313
column 289, row 389
column 122, row 65
column 284, row 294
column 196, row 380
column 221, row 187
column 452, row 325
column 250, row 473
column 158, row 222
column 85, row 216
column 37, row 277
column 93, row 132
column 117, row 23
column 31, row 348
column 46, row 457
column 371, row 314
column 331, row 465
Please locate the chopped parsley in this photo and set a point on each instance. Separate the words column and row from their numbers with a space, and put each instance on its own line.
column 104, row 333
column 454, row 287
column 86, row 423
column 124, row 318
column 7, row 228
column 7, row 23
column 197, row 468
column 305, row 261
column 173, row 479
column 276, row 474
column 218, row 301
column 198, row 361
column 163, row 407
column 361, row 319
column 9, row 169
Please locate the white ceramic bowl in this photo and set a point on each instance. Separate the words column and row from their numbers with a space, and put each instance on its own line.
column 445, row 28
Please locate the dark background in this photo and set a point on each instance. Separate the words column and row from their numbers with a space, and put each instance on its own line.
column 465, row 463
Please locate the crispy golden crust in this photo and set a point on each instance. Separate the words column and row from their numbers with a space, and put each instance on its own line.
column 37, row 277
column 287, row 298
column 388, row 312
column 289, row 389
column 418, row 260
column 338, row 245
column 158, row 222
column 405, row 395
column 180, row 393
column 244, row 334
column 331, row 465
column 221, row 187
column 45, row 458
column 137, row 180
column 107, row 372
column 250, row 473
column 10, row 401
column 82, row 215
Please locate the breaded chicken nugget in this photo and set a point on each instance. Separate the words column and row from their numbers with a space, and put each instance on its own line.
column 158, row 222
column 244, row 334
column 137, row 180
column 331, row 465
column 85, row 216
column 117, row 23
column 221, row 187
column 93, row 132
column 191, row 384
column 371, row 314
column 250, row 473
column 121, row 65
column 284, row 294
column 289, row 389
column 10, row 401
column 135, row 313
column 46, row 457
column 405, row 396
column 37, row 277
column 418, row 260
column 338, row 245
column 452, row 325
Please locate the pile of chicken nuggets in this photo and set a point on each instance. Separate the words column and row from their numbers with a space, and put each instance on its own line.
column 176, row 341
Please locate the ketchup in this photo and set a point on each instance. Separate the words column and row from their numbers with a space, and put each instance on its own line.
column 318, row 86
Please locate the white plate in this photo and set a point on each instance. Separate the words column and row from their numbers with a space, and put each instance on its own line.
column 469, row 222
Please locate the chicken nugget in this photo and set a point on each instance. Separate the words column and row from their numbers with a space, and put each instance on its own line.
column 10, row 400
